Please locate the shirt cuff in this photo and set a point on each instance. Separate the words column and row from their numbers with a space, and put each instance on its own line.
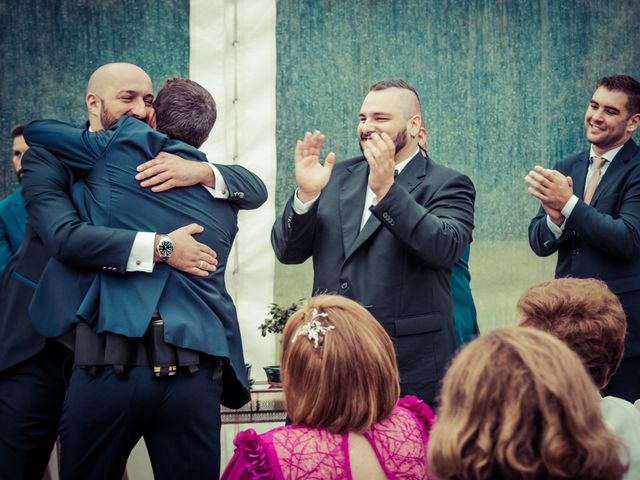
column 141, row 256
column 555, row 229
column 569, row 206
column 302, row 208
column 220, row 190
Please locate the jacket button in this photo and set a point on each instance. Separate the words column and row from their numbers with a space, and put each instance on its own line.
column 344, row 285
column 238, row 194
column 575, row 251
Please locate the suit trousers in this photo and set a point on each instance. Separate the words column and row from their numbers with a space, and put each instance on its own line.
column 105, row 414
column 31, row 398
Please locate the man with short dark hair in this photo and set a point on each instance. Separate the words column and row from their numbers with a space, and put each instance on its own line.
column 184, row 325
column 13, row 216
column 590, row 212
column 384, row 229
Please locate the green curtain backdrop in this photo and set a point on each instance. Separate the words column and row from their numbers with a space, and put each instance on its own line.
column 50, row 47
column 504, row 86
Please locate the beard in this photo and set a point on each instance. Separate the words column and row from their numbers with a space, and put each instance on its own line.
column 106, row 119
column 400, row 141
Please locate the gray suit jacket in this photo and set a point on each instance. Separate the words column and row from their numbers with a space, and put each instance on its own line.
column 398, row 266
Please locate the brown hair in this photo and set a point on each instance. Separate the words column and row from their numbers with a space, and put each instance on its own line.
column 348, row 382
column 18, row 130
column 583, row 313
column 625, row 84
column 185, row 111
column 517, row 403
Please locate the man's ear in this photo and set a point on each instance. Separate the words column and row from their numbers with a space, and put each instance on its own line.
column 633, row 123
column 414, row 125
column 93, row 104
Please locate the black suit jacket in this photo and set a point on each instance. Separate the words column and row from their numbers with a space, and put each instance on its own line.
column 70, row 240
column 399, row 265
column 601, row 240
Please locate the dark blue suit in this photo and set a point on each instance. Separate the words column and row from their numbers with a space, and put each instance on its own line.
column 32, row 369
column 197, row 311
column 602, row 240
column 13, row 218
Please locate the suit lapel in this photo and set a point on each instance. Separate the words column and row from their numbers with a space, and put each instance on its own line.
column 579, row 175
column 618, row 167
column 408, row 179
column 351, row 203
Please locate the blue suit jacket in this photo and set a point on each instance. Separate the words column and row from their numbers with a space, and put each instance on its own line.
column 601, row 240
column 53, row 228
column 198, row 312
column 13, row 218
column 464, row 308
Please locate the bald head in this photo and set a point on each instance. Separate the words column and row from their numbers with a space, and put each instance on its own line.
column 112, row 73
column 118, row 89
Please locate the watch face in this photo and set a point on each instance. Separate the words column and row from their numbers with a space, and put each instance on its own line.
column 165, row 248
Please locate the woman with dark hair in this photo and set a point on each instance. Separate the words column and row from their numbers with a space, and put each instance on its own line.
column 341, row 389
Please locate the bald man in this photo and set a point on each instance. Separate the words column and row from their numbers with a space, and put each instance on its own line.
column 384, row 229
column 32, row 368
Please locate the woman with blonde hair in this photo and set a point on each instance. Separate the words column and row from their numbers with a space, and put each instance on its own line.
column 518, row 404
column 341, row 389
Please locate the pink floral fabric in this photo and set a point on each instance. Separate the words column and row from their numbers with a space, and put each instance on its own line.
column 295, row 452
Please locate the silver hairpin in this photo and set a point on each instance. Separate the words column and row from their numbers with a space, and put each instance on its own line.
column 313, row 328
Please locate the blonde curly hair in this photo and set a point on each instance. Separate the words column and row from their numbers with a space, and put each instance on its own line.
column 517, row 403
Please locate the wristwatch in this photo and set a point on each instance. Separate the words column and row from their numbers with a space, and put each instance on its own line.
column 164, row 248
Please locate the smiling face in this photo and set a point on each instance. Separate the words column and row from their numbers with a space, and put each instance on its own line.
column 394, row 111
column 115, row 90
column 607, row 121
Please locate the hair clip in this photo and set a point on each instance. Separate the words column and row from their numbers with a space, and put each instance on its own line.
column 313, row 329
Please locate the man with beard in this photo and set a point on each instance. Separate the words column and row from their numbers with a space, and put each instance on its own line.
column 384, row 229
column 590, row 212
column 33, row 369
column 12, row 213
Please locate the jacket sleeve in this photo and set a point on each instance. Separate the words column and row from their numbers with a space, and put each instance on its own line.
column 46, row 192
column 77, row 148
column 437, row 233
column 619, row 236
column 292, row 234
column 5, row 244
column 246, row 190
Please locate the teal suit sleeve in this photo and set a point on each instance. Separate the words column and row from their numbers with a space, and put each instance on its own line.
column 246, row 190
column 77, row 148
column 46, row 186
column 5, row 247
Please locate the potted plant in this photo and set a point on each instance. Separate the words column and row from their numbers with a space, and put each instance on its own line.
column 274, row 323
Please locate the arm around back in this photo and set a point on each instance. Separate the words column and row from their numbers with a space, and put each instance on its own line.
column 46, row 191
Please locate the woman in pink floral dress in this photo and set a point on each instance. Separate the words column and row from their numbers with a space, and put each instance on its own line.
column 341, row 389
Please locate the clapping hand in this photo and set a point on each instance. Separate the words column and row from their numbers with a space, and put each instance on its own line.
column 311, row 175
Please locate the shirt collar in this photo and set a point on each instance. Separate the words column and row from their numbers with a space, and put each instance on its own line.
column 405, row 162
column 609, row 155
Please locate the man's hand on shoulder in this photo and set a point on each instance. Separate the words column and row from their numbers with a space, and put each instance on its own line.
column 189, row 255
column 168, row 171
